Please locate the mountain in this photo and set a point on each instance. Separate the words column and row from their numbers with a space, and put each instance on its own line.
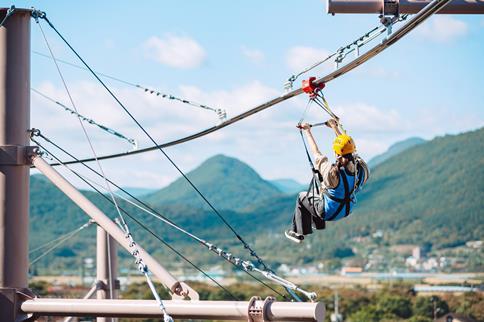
column 288, row 186
column 394, row 150
column 226, row 182
column 430, row 195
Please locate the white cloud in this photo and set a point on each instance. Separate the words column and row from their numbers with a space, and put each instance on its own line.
column 175, row 51
column 253, row 55
column 442, row 29
column 299, row 58
column 268, row 141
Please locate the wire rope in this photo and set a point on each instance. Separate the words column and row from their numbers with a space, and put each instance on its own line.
column 245, row 244
column 244, row 265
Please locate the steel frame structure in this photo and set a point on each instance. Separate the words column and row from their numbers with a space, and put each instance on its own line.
column 17, row 303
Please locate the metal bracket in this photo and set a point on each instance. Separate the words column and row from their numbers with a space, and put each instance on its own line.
column 259, row 313
column 16, row 154
column 391, row 7
column 11, row 300
column 309, row 87
column 102, row 285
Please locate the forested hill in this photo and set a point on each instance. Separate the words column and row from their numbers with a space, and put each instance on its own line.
column 227, row 182
column 431, row 192
column 428, row 194
column 395, row 149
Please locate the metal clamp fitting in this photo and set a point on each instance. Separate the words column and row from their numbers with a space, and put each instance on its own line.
column 259, row 313
column 309, row 87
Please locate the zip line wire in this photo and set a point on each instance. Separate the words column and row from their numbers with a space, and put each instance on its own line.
column 133, row 142
column 221, row 113
column 237, row 262
column 245, row 244
column 343, row 51
column 142, row 267
column 391, row 39
column 61, row 76
column 426, row 12
column 10, row 12
column 166, row 220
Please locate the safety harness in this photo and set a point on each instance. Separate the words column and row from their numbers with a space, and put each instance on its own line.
column 313, row 90
column 348, row 197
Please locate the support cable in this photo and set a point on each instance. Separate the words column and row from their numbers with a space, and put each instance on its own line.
column 143, row 268
column 245, row 244
column 353, row 46
column 430, row 9
column 57, row 242
column 221, row 113
column 88, row 182
column 10, row 12
column 133, row 142
column 246, row 266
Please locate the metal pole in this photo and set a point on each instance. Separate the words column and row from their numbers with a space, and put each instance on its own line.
column 392, row 7
column 14, row 167
column 106, row 268
column 176, row 287
column 209, row 310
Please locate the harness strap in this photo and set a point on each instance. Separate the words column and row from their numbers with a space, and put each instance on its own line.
column 342, row 202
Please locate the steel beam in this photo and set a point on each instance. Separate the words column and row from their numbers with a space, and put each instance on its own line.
column 209, row 310
column 178, row 288
column 14, row 137
column 391, row 7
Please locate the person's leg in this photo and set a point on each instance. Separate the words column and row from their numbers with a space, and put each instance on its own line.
column 317, row 211
column 301, row 221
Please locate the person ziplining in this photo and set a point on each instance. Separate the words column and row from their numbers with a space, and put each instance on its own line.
column 331, row 194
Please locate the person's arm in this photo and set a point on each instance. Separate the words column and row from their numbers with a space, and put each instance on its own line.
column 332, row 123
column 322, row 164
column 312, row 143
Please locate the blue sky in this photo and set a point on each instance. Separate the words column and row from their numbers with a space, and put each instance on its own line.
column 235, row 55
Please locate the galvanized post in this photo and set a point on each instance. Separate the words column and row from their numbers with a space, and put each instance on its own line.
column 14, row 167
column 106, row 268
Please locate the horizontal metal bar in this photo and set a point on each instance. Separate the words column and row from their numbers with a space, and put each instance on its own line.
column 403, row 6
column 208, row 310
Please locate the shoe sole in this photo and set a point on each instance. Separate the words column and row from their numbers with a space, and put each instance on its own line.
column 294, row 239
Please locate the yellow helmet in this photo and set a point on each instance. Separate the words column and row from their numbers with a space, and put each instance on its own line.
column 344, row 144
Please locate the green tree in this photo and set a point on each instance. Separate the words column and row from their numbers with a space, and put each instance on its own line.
column 425, row 306
column 395, row 305
column 419, row 318
column 367, row 314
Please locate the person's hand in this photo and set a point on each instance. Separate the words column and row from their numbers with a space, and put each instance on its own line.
column 304, row 126
column 332, row 123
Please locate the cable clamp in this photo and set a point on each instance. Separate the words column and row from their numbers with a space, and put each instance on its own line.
column 36, row 14
column 311, row 88
column 256, row 311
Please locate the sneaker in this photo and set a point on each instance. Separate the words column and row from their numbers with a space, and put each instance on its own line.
column 295, row 237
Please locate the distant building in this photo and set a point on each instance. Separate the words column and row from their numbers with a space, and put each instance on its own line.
column 443, row 289
column 351, row 270
column 454, row 317
column 475, row 244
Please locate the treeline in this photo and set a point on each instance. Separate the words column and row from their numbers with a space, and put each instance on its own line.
column 392, row 303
